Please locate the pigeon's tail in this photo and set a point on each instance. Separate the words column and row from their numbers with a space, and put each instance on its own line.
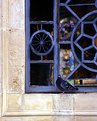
column 64, row 85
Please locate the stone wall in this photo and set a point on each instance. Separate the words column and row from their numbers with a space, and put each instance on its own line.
column 15, row 105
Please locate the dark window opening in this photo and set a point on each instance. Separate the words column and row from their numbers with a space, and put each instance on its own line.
column 41, row 10
column 41, row 74
column 81, row 1
column 61, row 40
column 80, row 11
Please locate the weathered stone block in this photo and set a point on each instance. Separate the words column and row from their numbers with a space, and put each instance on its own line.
column 85, row 118
column 63, row 102
column 16, row 61
column 37, row 102
column 12, row 119
column 1, row 119
column 14, row 102
column 39, row 118
column 0, row 46
column 63, row 118
column 16, row 14
column 85, row 102
column 0, row 105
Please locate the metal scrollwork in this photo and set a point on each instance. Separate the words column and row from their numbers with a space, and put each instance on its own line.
column 41, row 42
column 83, row 40
column 88, row 49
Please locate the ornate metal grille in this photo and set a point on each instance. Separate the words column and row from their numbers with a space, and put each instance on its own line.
column 80, row 30
column 62, row 42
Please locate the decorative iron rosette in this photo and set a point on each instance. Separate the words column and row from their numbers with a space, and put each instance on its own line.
column 41, row 43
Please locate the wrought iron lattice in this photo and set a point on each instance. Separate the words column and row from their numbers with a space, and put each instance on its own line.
column 83, row 42
column 89, row 51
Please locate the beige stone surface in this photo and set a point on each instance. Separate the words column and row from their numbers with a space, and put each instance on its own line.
column 85, row 118
column 63, row 102
column 16, row 61
column 12, row 119
column 0, row 45
column 38, row 118
column 16, row 14
column 85, row 102
column 0, row 12
column 50, row 118
column 14, row 102
column 38, row 102
column 0, row 105
column 63, row 118
column 5, row 14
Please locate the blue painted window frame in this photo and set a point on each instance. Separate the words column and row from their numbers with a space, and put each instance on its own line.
column 29, row 88
column 32, row 88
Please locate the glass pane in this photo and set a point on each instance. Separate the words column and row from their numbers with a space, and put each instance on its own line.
column 66, row 60
column 81, row 1
column 34, row 56
column 41, row 10
column 41, row 74
column 34, row 28
column 88, row 82
column 80, row 11
column 67, row 24
column 50, row 56
column 82, row 74
column 63, row 1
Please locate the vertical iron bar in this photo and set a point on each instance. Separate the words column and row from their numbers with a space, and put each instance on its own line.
column 41, row 26
column 27, row 23
column 56, row 40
